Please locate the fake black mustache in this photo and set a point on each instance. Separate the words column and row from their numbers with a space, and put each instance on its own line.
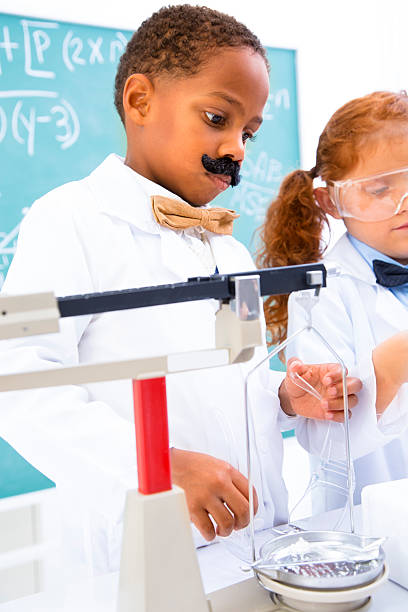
column 222, row 165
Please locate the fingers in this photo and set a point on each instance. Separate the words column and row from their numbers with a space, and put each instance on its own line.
column 216, row 493
column 203, row 523
column 241, row 483
column 231, row 509
column 334, row 393
column 231, row 514
column 333, row 403
column 337, row 416
column 294, row 364
column 223, row 517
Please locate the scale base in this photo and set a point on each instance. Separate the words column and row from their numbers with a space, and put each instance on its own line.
column 159, row 570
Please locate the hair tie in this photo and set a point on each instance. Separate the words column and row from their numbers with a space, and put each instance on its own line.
column 313, row 173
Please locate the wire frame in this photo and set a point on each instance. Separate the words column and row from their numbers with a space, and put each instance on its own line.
column 349, row 466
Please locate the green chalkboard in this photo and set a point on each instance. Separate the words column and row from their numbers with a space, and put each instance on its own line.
column 58, row 121
column 17, row 476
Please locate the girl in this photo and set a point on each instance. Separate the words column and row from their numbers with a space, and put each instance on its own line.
column 362, row 165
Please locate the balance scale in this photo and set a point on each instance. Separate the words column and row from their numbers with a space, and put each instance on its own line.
column 156, row 514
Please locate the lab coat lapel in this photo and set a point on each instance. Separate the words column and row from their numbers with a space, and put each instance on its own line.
column 176, row 256
column 387, row 306
column 344, row 254
column 391, row 310
column 179, row 259
column 119, row 194
column 224, row 249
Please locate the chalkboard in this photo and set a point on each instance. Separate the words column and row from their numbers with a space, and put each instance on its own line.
column 17, row 476
column 58, row 121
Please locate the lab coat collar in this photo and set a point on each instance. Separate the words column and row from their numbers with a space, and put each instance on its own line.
column 123, row 193
column 352, row 263
column 345, row 255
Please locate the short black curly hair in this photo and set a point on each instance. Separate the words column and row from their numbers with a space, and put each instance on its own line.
column 177, row 40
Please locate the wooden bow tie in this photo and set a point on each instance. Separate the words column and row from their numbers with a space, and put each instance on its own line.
column 180, row 215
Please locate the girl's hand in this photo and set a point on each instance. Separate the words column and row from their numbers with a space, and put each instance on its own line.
column 326, row 379
column 213, row 488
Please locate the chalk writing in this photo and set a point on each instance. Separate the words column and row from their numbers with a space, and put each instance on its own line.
column 76, row 52
column 252, row 199
column 22, row 117
column 36, row 42
column 278, row 99
column 40, row 43
column 8, row 243
column 261, row 176
column 264, row 169
column 7, row 45
column 40, row 48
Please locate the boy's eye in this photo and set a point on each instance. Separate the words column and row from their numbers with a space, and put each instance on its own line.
column 246, row 136
column 216, row 119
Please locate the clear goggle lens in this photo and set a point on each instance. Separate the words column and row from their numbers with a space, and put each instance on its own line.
column 374, row 198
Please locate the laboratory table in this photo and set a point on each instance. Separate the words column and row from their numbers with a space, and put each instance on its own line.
column 219, row 568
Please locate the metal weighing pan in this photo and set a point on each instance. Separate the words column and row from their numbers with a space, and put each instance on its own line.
column 336, row 560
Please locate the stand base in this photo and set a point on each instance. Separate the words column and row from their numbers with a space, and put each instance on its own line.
column 159, row 570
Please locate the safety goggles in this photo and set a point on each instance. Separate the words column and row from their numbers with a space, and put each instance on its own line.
column 374, row 198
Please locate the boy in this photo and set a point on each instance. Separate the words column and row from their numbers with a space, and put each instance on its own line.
column 190, row 89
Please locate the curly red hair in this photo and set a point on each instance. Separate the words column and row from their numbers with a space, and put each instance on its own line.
column 292, row 230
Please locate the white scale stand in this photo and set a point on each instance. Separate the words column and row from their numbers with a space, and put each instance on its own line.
column 159, row 568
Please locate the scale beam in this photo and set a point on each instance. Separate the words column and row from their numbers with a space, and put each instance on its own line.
column 273, row 281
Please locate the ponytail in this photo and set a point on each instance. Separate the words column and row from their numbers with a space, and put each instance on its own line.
column 293, row 225
column 291, row 234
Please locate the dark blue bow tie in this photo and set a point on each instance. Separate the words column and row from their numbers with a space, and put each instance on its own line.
column 388, row 274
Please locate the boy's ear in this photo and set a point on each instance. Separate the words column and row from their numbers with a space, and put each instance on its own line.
column 137, row 95
column 325, row 202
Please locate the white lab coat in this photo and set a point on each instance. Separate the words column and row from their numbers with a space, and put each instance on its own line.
column 355, row 314
column 99, row 234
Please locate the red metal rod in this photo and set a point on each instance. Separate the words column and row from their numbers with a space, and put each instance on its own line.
column 152, row 435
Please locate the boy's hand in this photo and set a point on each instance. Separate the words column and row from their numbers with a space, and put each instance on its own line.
column 326, row 379
column 212, row 487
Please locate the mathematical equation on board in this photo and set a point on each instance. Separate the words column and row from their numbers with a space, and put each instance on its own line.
column 23, row 112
